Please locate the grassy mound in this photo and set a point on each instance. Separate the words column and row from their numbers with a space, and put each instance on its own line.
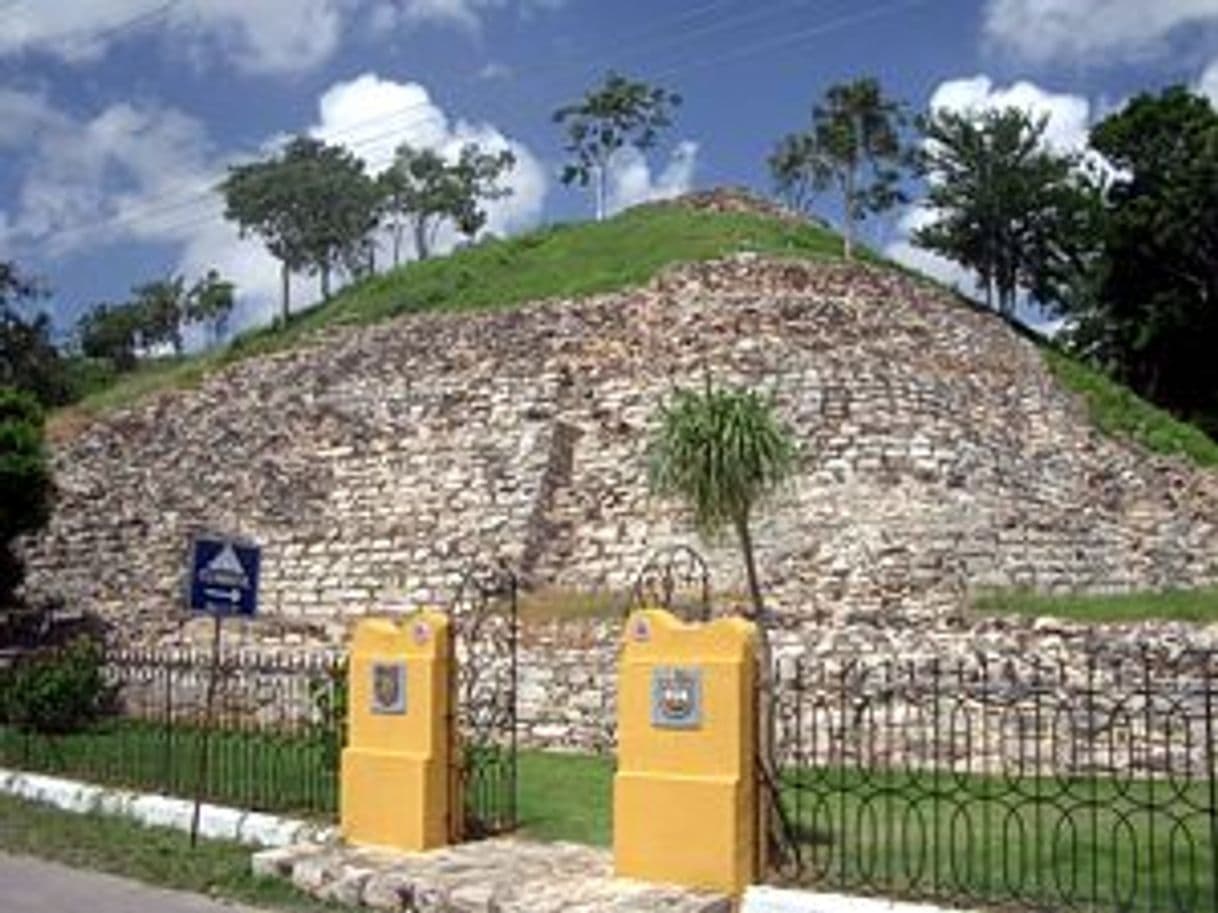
column 581, row 259
column 1119, row 412
column 558, row 261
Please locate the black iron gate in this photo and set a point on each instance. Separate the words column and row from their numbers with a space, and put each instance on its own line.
column 484, row 640
column 676, row 579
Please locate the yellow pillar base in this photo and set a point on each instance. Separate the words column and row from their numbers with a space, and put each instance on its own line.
column 684, row 797
column 395, row 771
column 689, row 831
column 389, row 800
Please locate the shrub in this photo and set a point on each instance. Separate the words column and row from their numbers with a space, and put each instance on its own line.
column 57, row 689
column 328, row 728
column 25, row 482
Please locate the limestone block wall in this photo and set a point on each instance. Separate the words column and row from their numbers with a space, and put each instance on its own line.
column 937, row 455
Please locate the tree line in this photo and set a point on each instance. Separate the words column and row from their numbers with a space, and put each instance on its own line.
column 1119, row 240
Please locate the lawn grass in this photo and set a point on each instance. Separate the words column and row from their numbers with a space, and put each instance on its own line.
column 566, row 797
column 1200, row 605
column 157, row 856
column 1119, row 412
column 557, row 261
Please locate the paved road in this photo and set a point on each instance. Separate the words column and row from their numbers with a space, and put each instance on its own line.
column 33, row 886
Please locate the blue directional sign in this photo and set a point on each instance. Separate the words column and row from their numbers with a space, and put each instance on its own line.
column 224, row 575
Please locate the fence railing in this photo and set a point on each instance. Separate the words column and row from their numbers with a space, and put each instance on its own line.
column 273, row 743
column 1003, row 782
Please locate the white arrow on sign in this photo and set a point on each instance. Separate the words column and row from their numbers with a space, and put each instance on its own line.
column 233, row 595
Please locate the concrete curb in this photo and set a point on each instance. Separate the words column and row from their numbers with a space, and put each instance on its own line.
column 216, row 822
column 762, row 899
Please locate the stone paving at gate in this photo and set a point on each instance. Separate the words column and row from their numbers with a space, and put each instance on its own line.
column 504, row 875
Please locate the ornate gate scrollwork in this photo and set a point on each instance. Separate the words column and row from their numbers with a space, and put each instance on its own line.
column 675, row 578
column 484, row 624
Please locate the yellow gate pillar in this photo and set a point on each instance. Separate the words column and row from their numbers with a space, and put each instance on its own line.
column 685, row 794
column 395, row 790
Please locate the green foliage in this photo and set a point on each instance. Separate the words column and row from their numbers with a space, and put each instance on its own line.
column 25, row 482
column 1199, row 605
column 721, row 451
column 1119, row 412
column 313, row 206
column 160, row 308
column 29, row 359
column 328, row 725
column 855, row 145
column 619, row 112
column 1013, row 211
column 422, row 190
column 57, row 690
column 111, row 332
column 210, row 302
column 1151, row 313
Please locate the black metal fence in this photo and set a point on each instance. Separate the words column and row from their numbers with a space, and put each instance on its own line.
column 1003, row 782
column 273, row 744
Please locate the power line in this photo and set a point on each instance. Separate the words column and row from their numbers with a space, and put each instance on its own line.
column 108, row 31
column 156, row 209
column 788, row 38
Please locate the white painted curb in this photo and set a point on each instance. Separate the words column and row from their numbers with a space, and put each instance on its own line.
column 762, row 899
column 216, row 822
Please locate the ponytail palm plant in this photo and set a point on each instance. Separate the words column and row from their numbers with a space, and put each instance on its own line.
column 722, row 451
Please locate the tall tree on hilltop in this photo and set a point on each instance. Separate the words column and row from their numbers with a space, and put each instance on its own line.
column 422, row 190
column 478, row 175
column 310, row 205
column 111, row 332
column 1152, row 317
column 1004, row 205
column 619, row 112
column 854, row 145
column 210, row 302
column 161, row 308
column 25, row 483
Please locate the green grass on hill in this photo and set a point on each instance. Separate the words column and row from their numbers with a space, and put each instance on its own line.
column 558, row 261
column 582, row 259
column 1119, row 412
column 1199, row 605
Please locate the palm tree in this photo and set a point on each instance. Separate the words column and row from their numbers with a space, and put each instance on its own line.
column 853, row 144
column 722, row 451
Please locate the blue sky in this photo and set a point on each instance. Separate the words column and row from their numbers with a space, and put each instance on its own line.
column 116, row 116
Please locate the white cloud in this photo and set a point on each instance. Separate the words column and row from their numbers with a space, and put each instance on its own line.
column 903, row 250
column 269, row 36
column 1045, row 31
column 373, row 116
column 1069, row 116
column 138, row 173
column 258, row 36
column 631, row 181
column 1207, row 84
